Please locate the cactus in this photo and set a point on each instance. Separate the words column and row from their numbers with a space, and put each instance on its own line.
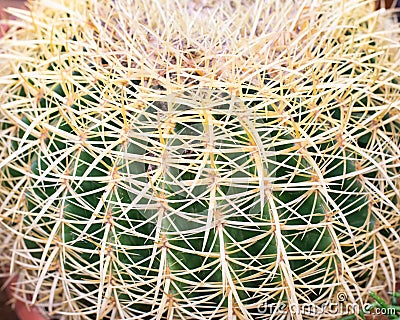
column 183, row 160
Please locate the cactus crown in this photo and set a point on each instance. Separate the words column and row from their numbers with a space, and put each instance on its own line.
column 187, row 161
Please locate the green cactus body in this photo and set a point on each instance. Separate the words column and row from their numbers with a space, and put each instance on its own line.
column 189, row 183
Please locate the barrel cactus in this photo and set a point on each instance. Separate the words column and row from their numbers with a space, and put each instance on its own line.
column 199, row 159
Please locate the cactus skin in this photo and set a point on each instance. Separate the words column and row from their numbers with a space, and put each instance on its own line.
column 153, row 168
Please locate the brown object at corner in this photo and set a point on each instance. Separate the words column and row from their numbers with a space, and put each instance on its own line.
column 21, row 310
column 6, row 312
column 10, row 3
column 3, row 15
column 385, row 3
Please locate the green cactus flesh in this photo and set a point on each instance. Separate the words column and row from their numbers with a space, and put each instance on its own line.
column 185, row 199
